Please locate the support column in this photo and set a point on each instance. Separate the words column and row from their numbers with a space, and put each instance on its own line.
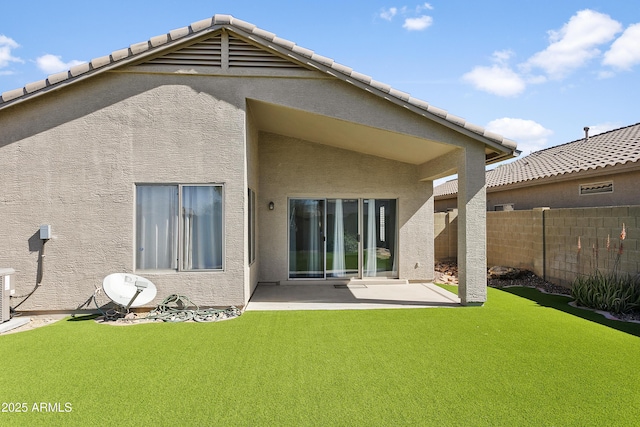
column 472, row 225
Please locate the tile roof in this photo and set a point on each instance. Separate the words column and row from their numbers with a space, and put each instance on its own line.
column 615, row 147
column 266, row 39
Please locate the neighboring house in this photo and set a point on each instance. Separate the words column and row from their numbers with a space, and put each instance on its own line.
column 598, row 170
column 218, row 156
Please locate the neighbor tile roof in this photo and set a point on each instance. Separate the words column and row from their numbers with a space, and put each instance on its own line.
column 265, row 38
column 611, row 148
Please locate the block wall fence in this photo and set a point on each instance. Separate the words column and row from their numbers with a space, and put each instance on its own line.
column 556, row 244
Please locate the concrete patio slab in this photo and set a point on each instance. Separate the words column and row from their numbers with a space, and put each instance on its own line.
column 350, row 297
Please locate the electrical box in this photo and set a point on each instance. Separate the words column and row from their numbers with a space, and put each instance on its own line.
column 45, row 232
column 6, row 290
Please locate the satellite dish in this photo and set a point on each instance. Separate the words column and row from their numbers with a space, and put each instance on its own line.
column 129, row 290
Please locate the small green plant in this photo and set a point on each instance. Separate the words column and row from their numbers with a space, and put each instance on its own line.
column 612, row 292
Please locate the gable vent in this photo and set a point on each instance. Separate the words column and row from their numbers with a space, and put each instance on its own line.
column 207, row 52
column 243, row 54
column 596, row 188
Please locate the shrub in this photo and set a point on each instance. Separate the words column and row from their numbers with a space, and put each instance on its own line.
column 612, row 292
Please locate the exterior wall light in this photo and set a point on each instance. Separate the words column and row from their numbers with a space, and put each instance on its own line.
column 271, row 206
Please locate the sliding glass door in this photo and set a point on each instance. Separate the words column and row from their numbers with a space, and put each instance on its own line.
column 380, row 237
column 306, row 238
column 342, row 238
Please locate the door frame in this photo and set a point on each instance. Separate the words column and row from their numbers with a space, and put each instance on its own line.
column 360, row 239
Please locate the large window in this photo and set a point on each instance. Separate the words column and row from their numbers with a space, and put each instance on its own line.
column 179, row 227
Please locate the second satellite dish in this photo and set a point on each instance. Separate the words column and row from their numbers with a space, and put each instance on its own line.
column 129, row 290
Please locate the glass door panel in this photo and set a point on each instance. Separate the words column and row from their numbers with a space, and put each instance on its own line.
column 306, row 238
column 325, row 238
column 380, row 238
column 342, row 238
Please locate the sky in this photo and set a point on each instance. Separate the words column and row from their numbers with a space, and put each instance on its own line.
column 536, row 72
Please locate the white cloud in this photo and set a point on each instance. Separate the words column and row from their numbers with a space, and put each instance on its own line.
column 499, row 79
column 388, row 14
column 575, row 43
column 625, row 51
column 51, row 64
column 569, row 48
column 605, row 74
column 6, row 45
column 502, row 56
column 530, row 135
column 535, row 80
column 418, row 24
column 414, row 19
column 603, row 127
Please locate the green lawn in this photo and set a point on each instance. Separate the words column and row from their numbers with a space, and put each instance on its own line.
column 523, row 359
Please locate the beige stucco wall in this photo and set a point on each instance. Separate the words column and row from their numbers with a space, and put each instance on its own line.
column 296, row 168
column 253, row 167
column 561, row 194
column 446, row 235
column 72, row 159
column 443, row 205
column 472, row 254
column 565, row 194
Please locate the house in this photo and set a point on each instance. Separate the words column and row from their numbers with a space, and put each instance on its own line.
column 598, row 170
column 218, row 156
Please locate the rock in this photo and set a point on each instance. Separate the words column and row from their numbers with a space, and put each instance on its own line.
column 446, row 273
column 501, row 272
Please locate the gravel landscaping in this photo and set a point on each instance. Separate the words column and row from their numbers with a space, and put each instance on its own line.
column 447, row 273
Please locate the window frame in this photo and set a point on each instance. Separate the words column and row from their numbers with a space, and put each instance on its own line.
column 252, row 211
column 180, row 232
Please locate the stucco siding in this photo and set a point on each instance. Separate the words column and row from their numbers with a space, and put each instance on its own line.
column 296, row 168
column 253, row 162
column 337, row 99
column 472, row 254
column 561, row 194
column 565, row 194
column 72, row 160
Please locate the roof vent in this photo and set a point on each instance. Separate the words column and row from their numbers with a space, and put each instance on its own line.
column 586, row 133
column 596, row 188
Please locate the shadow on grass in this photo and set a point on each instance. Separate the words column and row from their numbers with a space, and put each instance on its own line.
column 83, row 317
column 561, row 303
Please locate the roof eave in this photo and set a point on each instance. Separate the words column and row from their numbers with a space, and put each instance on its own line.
column 112, row 61
column 138, row 52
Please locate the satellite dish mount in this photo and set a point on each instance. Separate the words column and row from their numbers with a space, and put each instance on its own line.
column 128, row 290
